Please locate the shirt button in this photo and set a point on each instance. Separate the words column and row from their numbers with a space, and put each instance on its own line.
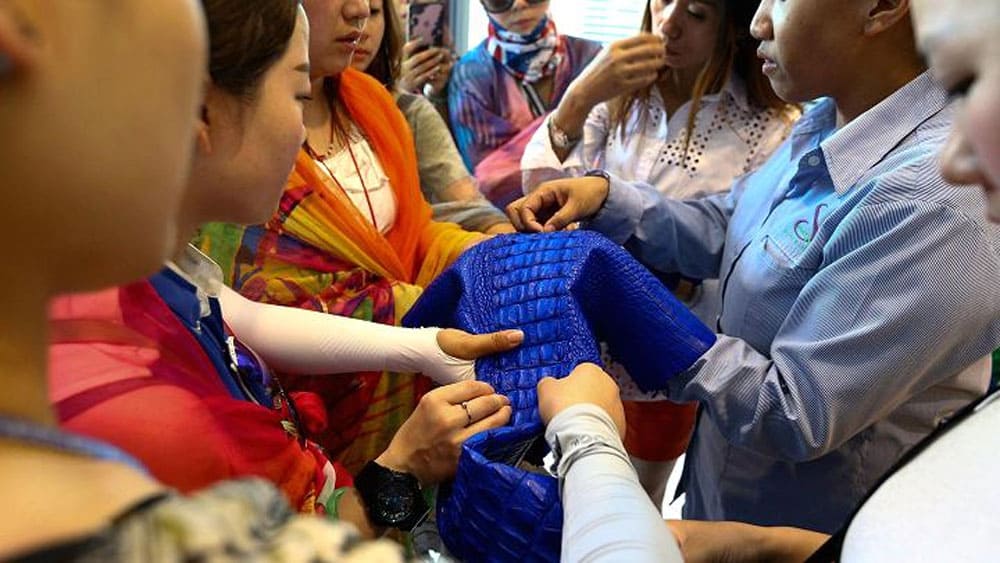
column 813, row 160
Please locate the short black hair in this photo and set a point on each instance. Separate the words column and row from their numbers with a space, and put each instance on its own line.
column 247, row 37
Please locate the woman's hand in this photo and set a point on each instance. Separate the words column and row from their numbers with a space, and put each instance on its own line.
column 620, row 68
column 458, row 351
column 428, row 66
column 439, row 82
column 465, row 346
column 500, row 229
column 429, row 442
column 588, row 384
column 558, row 204
column 733, row 542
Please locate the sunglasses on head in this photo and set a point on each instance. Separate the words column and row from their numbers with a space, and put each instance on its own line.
column 499, row 6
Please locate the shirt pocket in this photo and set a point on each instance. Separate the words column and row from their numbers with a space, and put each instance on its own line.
column 775, row 274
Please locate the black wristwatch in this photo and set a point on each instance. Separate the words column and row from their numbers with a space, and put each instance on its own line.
column 599, row 173
column 392, row 499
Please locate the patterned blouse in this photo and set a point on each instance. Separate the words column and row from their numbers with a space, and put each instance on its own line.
column 730, row 138
column 357, row 170
column 493, row 115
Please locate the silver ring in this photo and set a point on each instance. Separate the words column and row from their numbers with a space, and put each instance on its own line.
column 465, row 406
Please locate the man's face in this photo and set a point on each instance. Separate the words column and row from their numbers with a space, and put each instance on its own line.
column 805, row 45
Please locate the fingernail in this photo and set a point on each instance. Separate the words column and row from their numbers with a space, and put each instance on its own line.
column 504, row 400
column 515, row 336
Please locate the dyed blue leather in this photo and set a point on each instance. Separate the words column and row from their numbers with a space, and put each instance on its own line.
column 494, row 511
column 568, row 291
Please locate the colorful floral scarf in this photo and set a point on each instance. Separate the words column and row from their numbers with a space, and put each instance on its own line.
column 528, row 57
column 318, row 252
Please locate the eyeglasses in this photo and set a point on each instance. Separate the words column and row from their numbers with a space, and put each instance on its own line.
column 500, row 6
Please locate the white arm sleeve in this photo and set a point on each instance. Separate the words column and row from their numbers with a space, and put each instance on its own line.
column 308, row 342
column 607, row 516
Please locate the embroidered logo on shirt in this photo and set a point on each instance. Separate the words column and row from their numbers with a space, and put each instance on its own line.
column 802, row 228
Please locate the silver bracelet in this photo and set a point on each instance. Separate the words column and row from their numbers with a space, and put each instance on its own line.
column 560, row 139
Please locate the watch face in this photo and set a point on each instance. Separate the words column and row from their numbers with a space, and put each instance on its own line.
column 392, row 499
column 396, row 501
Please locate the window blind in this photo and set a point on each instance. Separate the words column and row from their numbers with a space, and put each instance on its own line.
column 601, row 20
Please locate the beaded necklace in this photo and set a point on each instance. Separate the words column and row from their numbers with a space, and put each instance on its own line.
column 321, row 159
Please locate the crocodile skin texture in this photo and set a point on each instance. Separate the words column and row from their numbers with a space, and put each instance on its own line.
column 494, row 511
column 568, row 292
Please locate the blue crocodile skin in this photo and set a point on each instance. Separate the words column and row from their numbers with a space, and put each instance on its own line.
column 494, row 512
column 568, row 291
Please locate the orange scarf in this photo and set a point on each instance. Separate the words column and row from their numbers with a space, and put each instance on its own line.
column 320, row 252
column 416, row 249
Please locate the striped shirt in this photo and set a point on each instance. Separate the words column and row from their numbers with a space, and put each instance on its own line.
column 859, row 306
column 730, row 138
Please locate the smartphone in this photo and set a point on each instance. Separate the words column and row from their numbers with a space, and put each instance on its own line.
column 426, row 22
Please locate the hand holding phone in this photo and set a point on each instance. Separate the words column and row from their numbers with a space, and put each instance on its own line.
column 427, row 56
column 426, row 22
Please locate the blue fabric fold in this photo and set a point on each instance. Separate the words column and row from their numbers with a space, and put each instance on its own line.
column 568, row 292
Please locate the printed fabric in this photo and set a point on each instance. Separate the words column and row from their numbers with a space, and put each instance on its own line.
column 318, row 252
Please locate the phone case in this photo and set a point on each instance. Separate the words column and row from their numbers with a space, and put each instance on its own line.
column 426, row 22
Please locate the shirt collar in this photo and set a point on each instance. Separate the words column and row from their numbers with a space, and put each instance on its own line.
column 865, row 141
column 200, row 271
column 734, row 90
column 818, row 120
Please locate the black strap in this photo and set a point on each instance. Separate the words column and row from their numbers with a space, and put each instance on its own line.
column 536, row 104
column 535, row 101
column 832, row 548
column 406, row 100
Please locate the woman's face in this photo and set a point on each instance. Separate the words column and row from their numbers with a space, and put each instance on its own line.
column 335, row 29
column 522, row 18
column 961, row 40
column 99, row 123
column 689, row 29
column 252, row 145
column 371, row 37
